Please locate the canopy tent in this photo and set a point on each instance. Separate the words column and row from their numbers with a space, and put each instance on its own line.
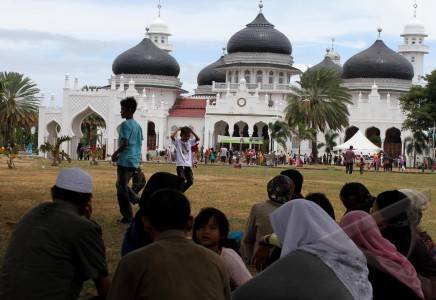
column 360, row 143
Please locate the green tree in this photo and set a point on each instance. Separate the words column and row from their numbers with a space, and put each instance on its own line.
column 416, row 145
column 320, row 102
column 280, row 133
column 18, row 104
column 301, row 132
column 89, row 128
column 55, row 150
column 330, row 141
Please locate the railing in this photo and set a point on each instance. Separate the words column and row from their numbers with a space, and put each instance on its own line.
column 219, row 86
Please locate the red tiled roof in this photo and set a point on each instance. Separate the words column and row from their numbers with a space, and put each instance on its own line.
column 188, row 108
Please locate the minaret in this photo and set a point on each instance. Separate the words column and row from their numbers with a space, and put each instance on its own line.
column 334, row 56
column 413, row 47
column 158, row 32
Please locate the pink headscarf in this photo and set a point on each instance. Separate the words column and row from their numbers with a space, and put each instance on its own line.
column 362, row 229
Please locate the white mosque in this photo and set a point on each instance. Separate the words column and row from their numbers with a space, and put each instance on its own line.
column 239, row 94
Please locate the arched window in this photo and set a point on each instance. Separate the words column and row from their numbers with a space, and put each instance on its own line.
column 247, row 76
column 259, row 77
column 413, row 41
column 412, row 59
column 229, row 79
column 288, row 78
column 162, row 40
column 236, row 76
column 271, row 77
column 281, row 78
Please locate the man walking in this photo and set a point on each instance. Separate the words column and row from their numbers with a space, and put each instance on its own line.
column 349, row 160
column 128, row 158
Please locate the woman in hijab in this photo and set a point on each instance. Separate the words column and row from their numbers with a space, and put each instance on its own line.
column 392, row 276
column 400, row 213
column 135, row 236
column 318, row 260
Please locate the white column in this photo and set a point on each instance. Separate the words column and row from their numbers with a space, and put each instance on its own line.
column 144, row 125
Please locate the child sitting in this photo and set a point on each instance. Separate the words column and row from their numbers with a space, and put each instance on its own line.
column 211, row 229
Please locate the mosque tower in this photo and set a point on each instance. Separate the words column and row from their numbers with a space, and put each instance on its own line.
column 413, row 47
column 159, row 33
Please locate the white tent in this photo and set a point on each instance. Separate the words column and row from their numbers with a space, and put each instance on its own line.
column 360, row 144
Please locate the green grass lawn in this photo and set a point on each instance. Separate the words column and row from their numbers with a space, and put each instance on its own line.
column 231, row 190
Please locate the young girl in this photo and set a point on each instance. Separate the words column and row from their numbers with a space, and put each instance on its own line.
column 211, row 229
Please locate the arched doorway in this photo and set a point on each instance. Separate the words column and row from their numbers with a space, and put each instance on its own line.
column 220, row 128
column 53, row 129
column 373, row 134
column 89, row 136
column 266, row 140
column 350, row 132
column 151, row 136
column 392, row 144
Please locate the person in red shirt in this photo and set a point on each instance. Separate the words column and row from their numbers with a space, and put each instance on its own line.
column 349, row 160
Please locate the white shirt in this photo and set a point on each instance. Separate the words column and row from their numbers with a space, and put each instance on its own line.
column 184, row 152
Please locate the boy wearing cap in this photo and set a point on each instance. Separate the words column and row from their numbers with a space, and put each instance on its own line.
column 128, row 158
column 56, row 247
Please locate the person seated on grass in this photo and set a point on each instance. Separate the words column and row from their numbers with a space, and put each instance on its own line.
column 387, row 267
column 211, row 230
column 173, row 266
column 297, row 179
column 237, row 164
column 322, row 200
column 355, row 196
column 135, row 236
column 280, row 190
column 398, row 215
column 271, row 241
column 318, row 260
column 56, row 246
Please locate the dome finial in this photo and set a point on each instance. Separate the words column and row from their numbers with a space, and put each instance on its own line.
column 260, row 6
column 159, row 6
column 379, row 32
column 333, row 44
column 415, row 6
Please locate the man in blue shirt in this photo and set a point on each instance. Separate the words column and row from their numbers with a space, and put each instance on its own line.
column 128, row 158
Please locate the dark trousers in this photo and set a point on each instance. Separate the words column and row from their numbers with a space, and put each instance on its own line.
column 186, row 173
column 349, row 168
column 125, row 194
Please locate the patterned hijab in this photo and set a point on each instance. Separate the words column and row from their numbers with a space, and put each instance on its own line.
column 280, row 189
column 362, row 229
column 303, row 225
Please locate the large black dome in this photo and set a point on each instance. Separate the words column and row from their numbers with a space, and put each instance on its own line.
column 146, row 58
column 210, row 73
column 378, row 61
column 327, row 63
column 259, row 36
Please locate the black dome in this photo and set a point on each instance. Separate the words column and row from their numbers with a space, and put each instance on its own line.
column 146, row 58
column 378, row 61
column 327, row 63
column 259, row 36
column 210, row 73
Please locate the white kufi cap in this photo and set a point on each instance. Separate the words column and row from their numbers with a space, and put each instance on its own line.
column 75, row 180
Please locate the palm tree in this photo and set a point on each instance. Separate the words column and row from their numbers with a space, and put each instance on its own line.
column 18, row 104
column 89, row 127
column 280, row 133
column 320, row 102
column 330, row 141
column 416, row 145
column 301, row 133
column 55, row 150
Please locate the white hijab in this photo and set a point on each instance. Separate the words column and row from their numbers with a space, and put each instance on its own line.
column 303, row 225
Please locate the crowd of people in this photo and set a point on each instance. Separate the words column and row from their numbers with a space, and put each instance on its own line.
column 293, row 243
column 293, row 247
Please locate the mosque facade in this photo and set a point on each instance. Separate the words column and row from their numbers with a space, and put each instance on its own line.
column 239, row 94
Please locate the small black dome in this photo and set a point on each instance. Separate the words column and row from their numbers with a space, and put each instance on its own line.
column 327, row 63
column 210, row 73
column 378, row 61
column 259, row 36
column 146, row 58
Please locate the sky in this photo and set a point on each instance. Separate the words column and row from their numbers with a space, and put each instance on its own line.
column 46, row 39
